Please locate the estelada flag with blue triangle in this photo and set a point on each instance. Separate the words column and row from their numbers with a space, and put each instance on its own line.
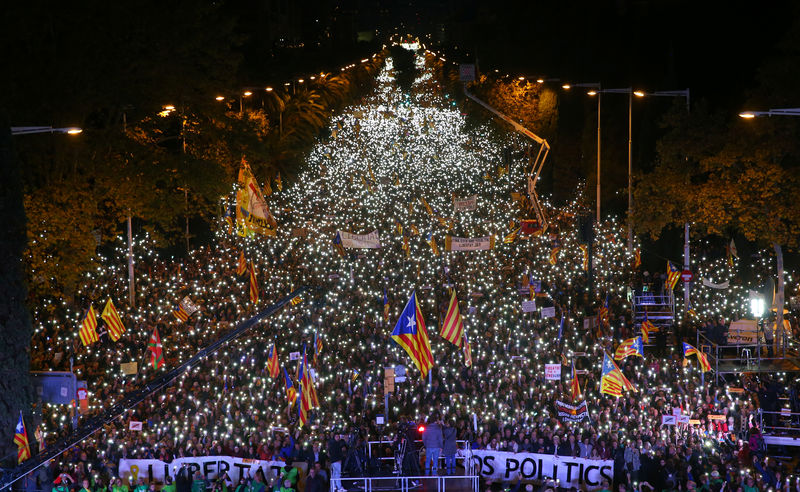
column 411, row 334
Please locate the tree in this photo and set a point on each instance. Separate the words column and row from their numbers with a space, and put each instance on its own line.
column 14, row 317
column 725, row 176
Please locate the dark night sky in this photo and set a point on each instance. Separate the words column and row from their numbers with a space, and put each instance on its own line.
column 713, row 47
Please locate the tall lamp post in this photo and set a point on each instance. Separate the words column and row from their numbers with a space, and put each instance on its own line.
column 596, row 87
column 630, row 92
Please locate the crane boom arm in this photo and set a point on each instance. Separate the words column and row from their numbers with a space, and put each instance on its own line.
column 538, row 163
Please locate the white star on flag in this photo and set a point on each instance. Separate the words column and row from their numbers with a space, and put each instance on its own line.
column 412, row 323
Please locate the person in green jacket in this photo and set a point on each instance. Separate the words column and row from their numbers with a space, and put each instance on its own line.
column 290, row 473
column 62, row 483
column 118, row 486
column 169, row 485
column 142, row 487
column 287, row 486
column 85, row 486
column 257, row 484
column 242, row 487
column 199, row 484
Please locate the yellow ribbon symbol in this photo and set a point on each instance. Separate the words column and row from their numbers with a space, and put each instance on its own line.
column 134, row 474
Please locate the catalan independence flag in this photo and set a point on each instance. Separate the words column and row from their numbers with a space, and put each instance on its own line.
column 631, row 346
column 432, row 243
column 647, row 329
column 702, row 359
column 603, row 313
column 291, row 392
column 241, row 265
column 111, row 318
column 411, row 334
column 180, row 313
column 467, row 351
column 453, row 326
column 88, row 329
column 637, row 258
column 673, row 275
column 385, row 306
column 337, row 244
column 272, row 363
column 308, row 394
column 21, row 440
column 612, row 381
column 253, row 284
column 554, row 254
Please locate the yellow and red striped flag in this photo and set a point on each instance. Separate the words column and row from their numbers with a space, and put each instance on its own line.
column 272, row 362
column 467, row 351
column 701, row 357
column 88, row 329
column 21, row 440
column 113, row 322
column 647, row 329
column 637, row 258
column 453, row 327
column 410, row 333
column 612, row 381
column 673, row 275
column 554, row 255
column 291, row 392
column 241, row 265
column 253, row 284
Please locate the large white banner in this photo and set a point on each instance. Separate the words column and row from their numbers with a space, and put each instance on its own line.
column 468, row 243
column 498, row 465
column 371, row 240
column 469, row 203
column 210, row 466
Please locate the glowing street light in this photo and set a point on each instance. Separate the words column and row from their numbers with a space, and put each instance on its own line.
column 30, row 130
column 748, row 115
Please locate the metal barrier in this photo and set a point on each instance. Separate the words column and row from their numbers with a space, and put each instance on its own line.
column 777, row 423
column 466, row 457
column 750, row 354
column 404, row 484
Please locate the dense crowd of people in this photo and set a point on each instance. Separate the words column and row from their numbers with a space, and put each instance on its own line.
column 382, row 156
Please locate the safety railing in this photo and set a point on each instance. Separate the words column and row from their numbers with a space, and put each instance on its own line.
column 749, row 355
column 403, row 484
column 784, row 422
column 464, row 456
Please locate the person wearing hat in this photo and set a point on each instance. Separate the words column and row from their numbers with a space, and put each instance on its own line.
column 63, row 482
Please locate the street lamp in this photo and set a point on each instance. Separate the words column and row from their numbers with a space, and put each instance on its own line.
column 772, row 112
column 30, row 130
column 630, row 92
column 596, row 87
column 241, row 99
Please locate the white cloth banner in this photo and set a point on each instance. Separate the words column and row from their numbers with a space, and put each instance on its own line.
column 210, row 466
column 571, row 472
column 371, row 240
column 469, row 203
column 724, row 285
column 468, row 243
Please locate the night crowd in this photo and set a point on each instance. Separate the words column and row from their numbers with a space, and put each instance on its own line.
column 230, row 406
